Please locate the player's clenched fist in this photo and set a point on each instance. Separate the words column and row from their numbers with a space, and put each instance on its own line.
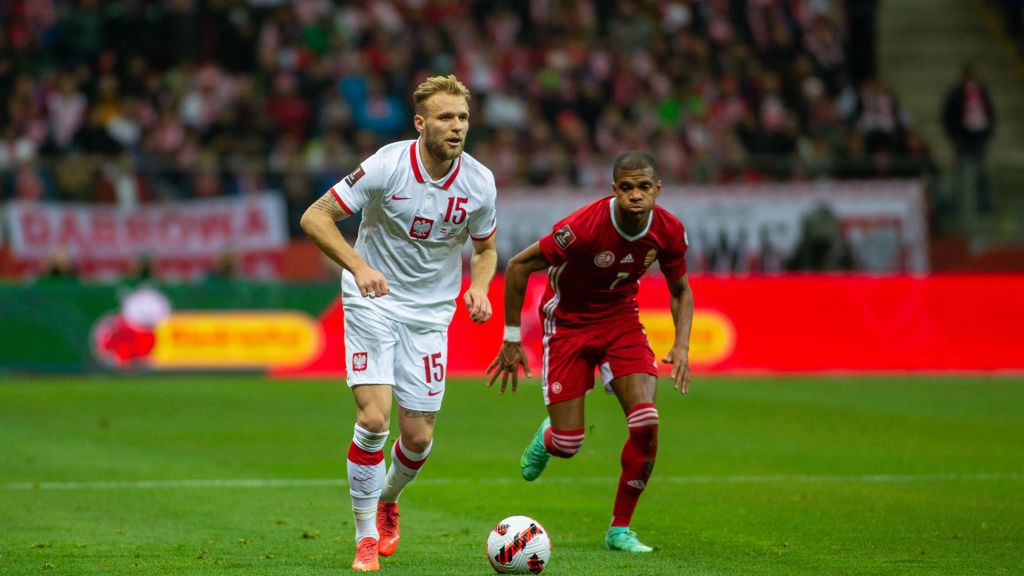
column 371, row 283
column 478, row 305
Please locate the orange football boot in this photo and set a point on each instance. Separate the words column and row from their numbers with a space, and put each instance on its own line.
column 387, row 526
column 366, row 556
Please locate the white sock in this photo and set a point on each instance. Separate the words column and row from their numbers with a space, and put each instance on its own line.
column 366, row 522
column 405, row 465
column 366, row 478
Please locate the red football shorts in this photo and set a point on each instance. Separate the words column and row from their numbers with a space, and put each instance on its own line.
column 572, row 354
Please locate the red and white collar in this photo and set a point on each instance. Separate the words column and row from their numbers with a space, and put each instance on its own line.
column 418, row 170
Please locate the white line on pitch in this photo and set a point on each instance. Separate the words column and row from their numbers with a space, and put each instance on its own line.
column 314, row 482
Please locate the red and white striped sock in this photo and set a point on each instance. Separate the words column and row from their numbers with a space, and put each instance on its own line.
column 638, row 457
column 563, row 443
column 405, row 465
column 365, row 478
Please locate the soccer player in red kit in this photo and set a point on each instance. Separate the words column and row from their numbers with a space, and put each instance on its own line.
column 595, row 258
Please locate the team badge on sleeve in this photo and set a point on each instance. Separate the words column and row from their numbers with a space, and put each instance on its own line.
column 564, row 236
column 354, row 177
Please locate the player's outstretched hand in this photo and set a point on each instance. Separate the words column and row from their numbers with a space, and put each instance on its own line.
column 510, row 357
column 478, row 305
column 371, row 283
column 680, row 362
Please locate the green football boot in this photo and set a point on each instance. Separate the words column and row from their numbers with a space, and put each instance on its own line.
column 625, row 540
column 535, row 457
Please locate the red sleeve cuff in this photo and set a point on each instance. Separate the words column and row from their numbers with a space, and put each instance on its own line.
column 482, row 238
column 342, row 202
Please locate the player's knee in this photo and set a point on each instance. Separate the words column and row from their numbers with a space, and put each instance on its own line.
column 373, row 421
column 645, row 439
column 565, row 443
column 416, row 442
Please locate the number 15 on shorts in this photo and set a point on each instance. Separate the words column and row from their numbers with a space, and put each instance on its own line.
column 433, row 368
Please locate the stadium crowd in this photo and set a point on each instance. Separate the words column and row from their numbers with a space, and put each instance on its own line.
column 127, row 101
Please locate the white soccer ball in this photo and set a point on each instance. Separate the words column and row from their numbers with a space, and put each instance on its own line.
column 519, row 545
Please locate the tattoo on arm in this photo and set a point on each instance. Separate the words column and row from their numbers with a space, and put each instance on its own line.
column 430, row 416
column 328, row 204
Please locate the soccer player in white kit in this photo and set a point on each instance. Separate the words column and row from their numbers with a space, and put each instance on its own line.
column 421, row 200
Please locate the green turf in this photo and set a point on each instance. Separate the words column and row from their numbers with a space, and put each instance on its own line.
column 770, row 476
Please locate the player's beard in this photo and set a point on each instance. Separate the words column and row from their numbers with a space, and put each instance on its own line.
column 437, row 146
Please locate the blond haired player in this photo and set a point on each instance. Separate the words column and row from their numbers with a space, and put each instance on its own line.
column 421, row 200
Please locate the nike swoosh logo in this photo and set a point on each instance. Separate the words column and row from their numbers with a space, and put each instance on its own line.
column 432, row 393
column 397, row 197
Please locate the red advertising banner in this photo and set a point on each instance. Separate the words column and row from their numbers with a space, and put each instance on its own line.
column 181, row 238
column 793, row 324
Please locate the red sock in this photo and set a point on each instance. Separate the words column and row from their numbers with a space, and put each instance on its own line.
column 637, row 461
column 563, row 443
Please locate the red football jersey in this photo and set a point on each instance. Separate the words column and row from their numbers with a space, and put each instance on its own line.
column 596, row 267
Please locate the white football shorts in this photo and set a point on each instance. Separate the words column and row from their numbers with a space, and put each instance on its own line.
column 379, row 350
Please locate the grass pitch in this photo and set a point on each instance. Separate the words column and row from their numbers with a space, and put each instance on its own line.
column 240, row 475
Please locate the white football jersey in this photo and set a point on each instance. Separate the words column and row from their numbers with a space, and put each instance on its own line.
column 413, row 229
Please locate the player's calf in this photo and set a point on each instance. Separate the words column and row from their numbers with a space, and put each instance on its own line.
column 548, row 442
column 366, row 475
column 638, row 456
column 563, row 443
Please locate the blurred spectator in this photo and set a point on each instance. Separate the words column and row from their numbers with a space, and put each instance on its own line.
column 224, row 268
column 821, row 247
column 58, row 268
column 76, row 178
column 66, row 107
column 141, row 270
column 970, row 119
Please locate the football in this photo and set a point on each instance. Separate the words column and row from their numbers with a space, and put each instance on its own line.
column 519, row 545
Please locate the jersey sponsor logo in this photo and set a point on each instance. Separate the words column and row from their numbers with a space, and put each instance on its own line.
column 434, row 392
column 604, row 259
column 359, row 362
column 421, row 228
column 649, row 259
column 397, row 197
column 556, row 387
column 627, row 260
column 564, row 236
column 354, row 177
